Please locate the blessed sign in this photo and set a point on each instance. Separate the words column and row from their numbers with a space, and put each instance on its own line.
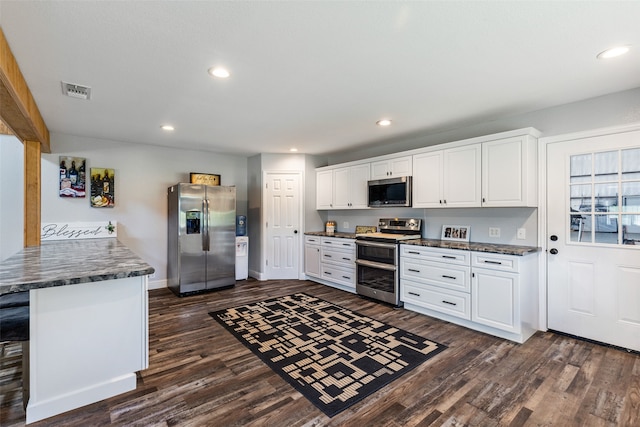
column 78, row 230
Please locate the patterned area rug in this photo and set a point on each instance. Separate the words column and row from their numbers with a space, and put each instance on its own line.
column 333, row 356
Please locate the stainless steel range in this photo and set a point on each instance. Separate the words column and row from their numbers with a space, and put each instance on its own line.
column 377, row 258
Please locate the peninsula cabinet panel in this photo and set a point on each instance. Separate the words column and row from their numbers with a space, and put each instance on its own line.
column 312, row 256
column 509, row 172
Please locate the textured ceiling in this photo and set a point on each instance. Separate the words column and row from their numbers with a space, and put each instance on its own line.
column 315, row 75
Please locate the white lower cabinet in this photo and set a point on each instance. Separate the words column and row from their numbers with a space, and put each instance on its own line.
column 331, row 261
column 492, row 293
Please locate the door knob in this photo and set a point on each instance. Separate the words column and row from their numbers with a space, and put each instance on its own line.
column 295, row 231
column 553, row 251
column 553, row 237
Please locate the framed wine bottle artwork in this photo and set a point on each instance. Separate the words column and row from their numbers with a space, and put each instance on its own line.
column 103, row 194
column 72, row 176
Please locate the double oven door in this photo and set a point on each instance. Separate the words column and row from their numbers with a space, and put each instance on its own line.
column 377, row 270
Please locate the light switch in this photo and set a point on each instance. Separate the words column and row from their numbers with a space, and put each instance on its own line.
column 522, row 234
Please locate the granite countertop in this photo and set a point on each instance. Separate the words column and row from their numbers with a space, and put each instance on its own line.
column 336, row 234
column 474, row 246
column 69, row 262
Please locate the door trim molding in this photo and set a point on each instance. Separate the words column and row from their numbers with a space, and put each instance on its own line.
column 543, row 143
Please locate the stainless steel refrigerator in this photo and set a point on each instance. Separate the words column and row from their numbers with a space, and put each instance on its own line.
column 201, row 252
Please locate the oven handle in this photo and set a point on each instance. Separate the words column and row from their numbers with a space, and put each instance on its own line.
column 379, row 265
column 375, row 244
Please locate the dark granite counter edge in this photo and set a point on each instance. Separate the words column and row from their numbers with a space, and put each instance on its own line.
column 338, row 234
column 49, row 265
column 7, row 289
column 494, row 248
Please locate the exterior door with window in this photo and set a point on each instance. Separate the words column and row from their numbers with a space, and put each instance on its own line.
column 593, row 259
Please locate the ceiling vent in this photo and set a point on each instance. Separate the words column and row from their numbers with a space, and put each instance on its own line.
column 76, row 91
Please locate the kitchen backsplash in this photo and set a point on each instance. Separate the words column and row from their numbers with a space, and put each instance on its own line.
column 508, row 220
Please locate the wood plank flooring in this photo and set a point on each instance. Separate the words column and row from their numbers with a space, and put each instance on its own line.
column 200, row 375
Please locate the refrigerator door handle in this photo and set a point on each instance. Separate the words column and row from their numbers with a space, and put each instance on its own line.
column 205, row 224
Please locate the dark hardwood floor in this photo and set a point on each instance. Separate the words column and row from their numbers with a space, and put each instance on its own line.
column 200, row 375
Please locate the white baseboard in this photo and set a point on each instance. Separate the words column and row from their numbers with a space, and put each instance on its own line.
column 157, row 284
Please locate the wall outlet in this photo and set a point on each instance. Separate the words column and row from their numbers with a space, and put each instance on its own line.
column 345, row 225
column 494, row 232
column 522, row 234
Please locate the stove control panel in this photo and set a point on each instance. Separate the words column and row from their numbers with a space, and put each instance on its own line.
column 400, row 224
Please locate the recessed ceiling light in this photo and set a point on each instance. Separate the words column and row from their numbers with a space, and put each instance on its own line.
column 219, row 72
column 384, row 122
column 293, row 150
column 613, row 52
column 167, row 127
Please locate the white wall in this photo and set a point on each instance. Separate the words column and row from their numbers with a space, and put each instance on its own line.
column 142, row 175
column 11, row 196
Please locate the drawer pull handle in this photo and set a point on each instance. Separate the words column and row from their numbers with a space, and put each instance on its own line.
column 413, row 252
column 448, row 277
column 327, row 273
column 346, row 244
column 448, row 302
column 346, row 277
column 493, row 262
column 327, row 256
column 345, row 258
column 449, row 257
column 414, row 270
column 414, row 294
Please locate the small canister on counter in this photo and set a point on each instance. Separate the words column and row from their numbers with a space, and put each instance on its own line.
column 330, row 227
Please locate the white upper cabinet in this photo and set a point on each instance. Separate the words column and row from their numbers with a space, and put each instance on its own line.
column 343, row 187
column 509, row 176
column 324, row 189
column 392, row 168
column 350, row 187
column 427, row 180
column 447, row 178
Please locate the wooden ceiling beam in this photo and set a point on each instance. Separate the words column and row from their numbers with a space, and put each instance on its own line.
column 18, row 109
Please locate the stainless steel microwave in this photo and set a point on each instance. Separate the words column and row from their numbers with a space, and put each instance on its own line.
column 390, row 192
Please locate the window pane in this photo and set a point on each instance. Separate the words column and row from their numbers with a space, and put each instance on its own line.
column 577, row 226
column 631, row 164
column 606, row 229
column 580, row 197
column 606, row 197
column 631, row 229
column 606, row 166
column 580, row 168
column 631, row 196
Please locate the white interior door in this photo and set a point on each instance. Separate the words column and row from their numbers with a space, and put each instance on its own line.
column 283, row 205
column 593, row 261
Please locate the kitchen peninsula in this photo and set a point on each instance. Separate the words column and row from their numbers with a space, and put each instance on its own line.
column 88, row 321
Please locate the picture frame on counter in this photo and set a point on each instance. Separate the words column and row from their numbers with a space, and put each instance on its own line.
column 456, row 233
column 204, row 178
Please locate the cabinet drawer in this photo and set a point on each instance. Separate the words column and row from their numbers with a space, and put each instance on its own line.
column 447, row 276
column 450, row 302
column 450, row 256
column 333, row 242
column 507, row 263
column 339, row 274
column 312, row 240
column 336, row 255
